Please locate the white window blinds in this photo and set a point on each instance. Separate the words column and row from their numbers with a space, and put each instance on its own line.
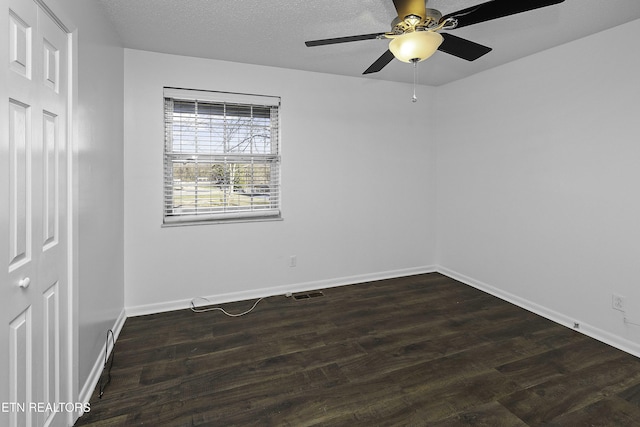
column 221, row 156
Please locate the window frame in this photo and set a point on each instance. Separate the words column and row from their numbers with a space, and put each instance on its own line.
column 266, row 164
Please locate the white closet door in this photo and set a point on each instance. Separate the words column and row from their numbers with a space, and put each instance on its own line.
column 33, row 219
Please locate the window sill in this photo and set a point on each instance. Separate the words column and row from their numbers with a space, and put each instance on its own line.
column 221, row 221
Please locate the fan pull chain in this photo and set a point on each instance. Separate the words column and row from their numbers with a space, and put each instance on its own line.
column 414, row 98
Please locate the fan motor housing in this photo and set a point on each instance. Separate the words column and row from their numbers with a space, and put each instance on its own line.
column 432, row 18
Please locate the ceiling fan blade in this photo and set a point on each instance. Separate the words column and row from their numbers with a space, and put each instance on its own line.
column 343, row 39
column 496, row 9
column 462, row 48
column 380, row 63
column 410, row 7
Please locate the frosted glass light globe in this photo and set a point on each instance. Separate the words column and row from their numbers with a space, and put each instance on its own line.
column 415, row 46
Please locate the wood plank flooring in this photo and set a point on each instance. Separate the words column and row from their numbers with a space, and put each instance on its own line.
column 422, row 350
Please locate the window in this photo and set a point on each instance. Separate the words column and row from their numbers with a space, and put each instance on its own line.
column 221, row 156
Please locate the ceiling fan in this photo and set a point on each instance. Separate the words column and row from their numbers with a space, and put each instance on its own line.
column 415, row 32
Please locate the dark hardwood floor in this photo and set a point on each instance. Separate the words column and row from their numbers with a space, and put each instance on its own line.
column 419, row 351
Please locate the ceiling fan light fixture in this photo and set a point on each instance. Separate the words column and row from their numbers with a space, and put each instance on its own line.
column 415, row 46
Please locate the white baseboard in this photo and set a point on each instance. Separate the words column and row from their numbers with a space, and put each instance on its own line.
column 94, row 376
column 584, row 328
column 141, row 310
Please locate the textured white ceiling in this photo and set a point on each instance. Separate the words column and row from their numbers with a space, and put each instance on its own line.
column 273, row 32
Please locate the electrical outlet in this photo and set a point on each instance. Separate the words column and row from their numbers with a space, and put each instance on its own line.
column 293, row 261
column 617, row 302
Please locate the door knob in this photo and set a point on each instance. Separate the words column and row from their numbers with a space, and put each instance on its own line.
column 24, row 283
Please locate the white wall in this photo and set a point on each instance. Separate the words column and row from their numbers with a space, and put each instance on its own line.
column 538, row 182
column 98, row 142
column 356, row 193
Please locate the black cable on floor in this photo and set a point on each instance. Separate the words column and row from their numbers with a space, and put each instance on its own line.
column 106, row 352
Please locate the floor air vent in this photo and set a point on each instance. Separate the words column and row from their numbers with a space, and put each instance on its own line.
column 308, row 295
